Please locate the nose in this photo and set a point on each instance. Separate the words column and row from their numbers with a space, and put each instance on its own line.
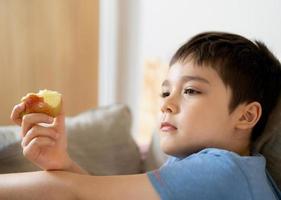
column 169, row 105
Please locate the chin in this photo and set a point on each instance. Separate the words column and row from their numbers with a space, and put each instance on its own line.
column 170, row 149
column 174, row 149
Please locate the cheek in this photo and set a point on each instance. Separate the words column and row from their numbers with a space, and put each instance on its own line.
column 190, row 122
column 203, row 119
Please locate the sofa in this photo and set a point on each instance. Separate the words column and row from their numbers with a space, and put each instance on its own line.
column 100, row 141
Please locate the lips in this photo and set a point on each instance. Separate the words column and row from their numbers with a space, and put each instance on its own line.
column 166, row 127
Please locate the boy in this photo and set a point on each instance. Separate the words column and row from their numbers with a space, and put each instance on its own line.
column 219, row 92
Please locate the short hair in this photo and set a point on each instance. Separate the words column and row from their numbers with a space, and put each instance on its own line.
column 251, row 71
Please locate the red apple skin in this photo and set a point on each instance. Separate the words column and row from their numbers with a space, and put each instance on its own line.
column 36, row 104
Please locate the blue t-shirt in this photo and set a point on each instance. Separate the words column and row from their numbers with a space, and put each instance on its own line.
column 214, row 174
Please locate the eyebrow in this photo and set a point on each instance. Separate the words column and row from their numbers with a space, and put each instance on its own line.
column 188, row 78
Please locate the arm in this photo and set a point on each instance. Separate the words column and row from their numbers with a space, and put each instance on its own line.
column 137, row 187
column 36, row 185
column 64, row 185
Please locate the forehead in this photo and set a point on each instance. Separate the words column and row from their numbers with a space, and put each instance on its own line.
column 188, row 71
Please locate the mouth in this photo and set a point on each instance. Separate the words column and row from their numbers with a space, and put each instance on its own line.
column 167, row 127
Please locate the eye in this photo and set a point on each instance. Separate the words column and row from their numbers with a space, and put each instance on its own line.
column 164, row 94
column 191, row 91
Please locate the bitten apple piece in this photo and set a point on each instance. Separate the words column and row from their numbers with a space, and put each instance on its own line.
column 45, row 101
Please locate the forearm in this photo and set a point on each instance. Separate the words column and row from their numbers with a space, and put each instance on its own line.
column 37, row 185
column 59, row 185
column 136, row 187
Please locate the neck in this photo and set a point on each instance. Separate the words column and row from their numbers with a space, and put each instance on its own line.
column 243, row 149
column 241, row 144
column 245, row 152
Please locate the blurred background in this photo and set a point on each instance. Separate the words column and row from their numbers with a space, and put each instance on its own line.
column 98, row 53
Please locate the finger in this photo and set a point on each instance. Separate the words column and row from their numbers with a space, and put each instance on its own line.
column 59, row 121
column 38, row 131
column 33, row 150
column 29, row 120
column 16, row 113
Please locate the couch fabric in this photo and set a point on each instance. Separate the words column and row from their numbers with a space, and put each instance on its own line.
column 155, row 156
column 270, row 144
column 98, row 139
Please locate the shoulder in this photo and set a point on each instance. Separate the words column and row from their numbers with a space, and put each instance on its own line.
column 219, row 156
column 207, row 159
column 203, row 173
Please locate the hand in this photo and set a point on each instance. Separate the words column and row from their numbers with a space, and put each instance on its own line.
column 44, row 140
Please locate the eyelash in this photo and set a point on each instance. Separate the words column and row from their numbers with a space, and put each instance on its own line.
column 164, row 94
column 191, row 91
column 188, row 91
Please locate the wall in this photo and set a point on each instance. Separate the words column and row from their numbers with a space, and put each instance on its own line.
column 49, row 44
column 120, row 72
column 165, row 25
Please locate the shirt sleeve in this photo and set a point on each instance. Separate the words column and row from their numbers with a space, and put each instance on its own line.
column 200, row 176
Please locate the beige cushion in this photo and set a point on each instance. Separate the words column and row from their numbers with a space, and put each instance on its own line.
column 11, row 158
column 155, row 156
column 270, row 144
column 99, row 140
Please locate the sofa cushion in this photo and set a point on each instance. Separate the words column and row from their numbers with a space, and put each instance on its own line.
column 11, row 158
column 155, row 156
column 99, row 140
column 270, row 144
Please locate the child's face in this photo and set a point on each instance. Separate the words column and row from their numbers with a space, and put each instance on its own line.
column 195, row 110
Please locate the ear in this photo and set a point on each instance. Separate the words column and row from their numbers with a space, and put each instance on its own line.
column 249, row 115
